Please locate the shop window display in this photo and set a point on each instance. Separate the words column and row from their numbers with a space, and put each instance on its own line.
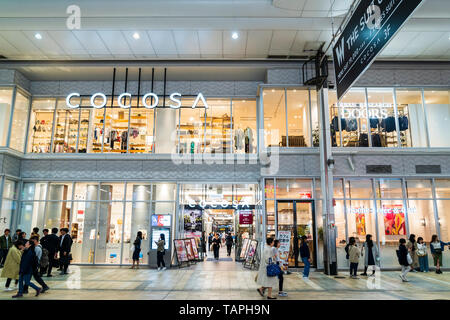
column 335, row 117
column 5, row 114
column 361, row 219
column 9, row 204
column 19, row 122
column 294, row 189
column 438, row 117
column 218, row 127
column 274, row 117
column 382, row 119
column 418, row 188
column 66, row 128
column 358, row 188
column 411, row 117
column 341, row 232
column 191, row 128
column 388, row 188
column 298, row 118
column 41, row 125
column 350, row 118
column 83, row 231
column 270, row 222
column 141, row 131
column 245, row 133
column 442, row 188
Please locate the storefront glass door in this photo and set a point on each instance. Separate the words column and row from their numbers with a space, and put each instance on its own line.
column 296, row 216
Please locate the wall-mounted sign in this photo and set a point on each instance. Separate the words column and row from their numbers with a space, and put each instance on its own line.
column 359, row 110
column 219, row 203
column 373, row 24
column 149, row 100
column 384, row 210
column 305, row 195
column 245, row 217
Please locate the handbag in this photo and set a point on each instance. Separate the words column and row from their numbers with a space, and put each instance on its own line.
column 273, row 269
column 409, row 259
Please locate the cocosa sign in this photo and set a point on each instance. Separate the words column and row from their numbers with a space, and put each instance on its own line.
column 149, row 100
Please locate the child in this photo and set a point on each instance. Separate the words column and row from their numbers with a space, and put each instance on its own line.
column 354, row 253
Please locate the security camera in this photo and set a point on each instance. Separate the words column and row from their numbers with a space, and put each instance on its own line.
column 330, row 163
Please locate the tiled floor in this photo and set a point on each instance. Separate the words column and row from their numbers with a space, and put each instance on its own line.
column 227, row 280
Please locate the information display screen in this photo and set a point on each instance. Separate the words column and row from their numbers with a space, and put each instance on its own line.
column 161, row 220
column 155, row 237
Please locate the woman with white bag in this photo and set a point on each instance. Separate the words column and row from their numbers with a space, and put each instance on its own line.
column 404, row 259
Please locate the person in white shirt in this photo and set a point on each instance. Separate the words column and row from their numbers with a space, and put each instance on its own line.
column 422, row 254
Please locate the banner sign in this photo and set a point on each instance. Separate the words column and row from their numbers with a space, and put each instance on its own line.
column 245, row 217
column 243, row 254
column 373, row 24
column 285, row 240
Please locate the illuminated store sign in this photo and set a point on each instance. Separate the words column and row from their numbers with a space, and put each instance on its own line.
column 149, row 100
column 359, row 110
column 382, row 210
column 219, row 204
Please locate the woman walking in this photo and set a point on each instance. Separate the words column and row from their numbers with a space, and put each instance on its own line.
column 28, row 263
column 12, row 265
column 402, row 254
column 436, row 247
column 216, row 246
column 422, row 254
column 279, row 261
column 306, row 256
column 371, row 255
column 412, row 248
column 203, row 252
column 160, row 252
column 137, row 249
column 263, row 280
column 353, row 253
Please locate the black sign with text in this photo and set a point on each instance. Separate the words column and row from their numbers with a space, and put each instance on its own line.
column 373, row 24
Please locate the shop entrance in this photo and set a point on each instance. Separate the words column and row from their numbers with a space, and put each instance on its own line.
column 297, row 217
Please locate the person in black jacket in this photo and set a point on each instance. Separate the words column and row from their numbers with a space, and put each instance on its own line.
column 229, row 243
column 51, row 243
column 305, row 255
column 28, row 263
column 402, row 254
column 65, row 244
column 216, row 246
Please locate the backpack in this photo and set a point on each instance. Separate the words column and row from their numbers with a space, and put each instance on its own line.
column 347, row 256
column 44, row 258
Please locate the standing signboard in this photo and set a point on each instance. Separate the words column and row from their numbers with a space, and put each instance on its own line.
column 372, row 25
column 243, row 254
column 285, row 243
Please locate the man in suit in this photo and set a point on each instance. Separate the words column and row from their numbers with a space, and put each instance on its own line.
column 5, row 244
column 65, row 244
column 51, row 243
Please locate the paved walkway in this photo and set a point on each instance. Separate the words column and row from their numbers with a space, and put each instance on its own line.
column 228, row 280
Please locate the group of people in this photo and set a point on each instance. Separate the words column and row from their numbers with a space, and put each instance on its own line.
column 216, row 242
column 412, row 255
column 23, row 259
column 272, row 255
column 160, row 251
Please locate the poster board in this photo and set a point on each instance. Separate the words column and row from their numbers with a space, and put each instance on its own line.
column 285, row 243
column 243, row 254
column 194, row 248
column 189, row 249
column 360, row 224
column 180, row 249
column 253, row 245
column 394, row 220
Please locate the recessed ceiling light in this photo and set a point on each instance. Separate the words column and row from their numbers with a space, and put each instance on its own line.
column 235, row 35
column 38, row 36
column 136, row 35
column 273, row 90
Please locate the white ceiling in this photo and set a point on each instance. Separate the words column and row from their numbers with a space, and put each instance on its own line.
column 199, row 29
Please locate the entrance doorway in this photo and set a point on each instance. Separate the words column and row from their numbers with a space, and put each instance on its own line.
column 297, row 216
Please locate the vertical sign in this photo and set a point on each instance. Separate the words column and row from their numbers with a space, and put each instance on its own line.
column 285, row 239
column 373, row 24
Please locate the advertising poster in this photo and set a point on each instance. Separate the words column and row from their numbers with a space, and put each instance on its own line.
column 394, row 220
column 360, row 224
column 189, row 250
column 251, row 250
column 156, row 232
column 181, row 250
column 193, row 222
column 194, row 248
column 161, row 220
column 244, row 248
column 285, row 240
